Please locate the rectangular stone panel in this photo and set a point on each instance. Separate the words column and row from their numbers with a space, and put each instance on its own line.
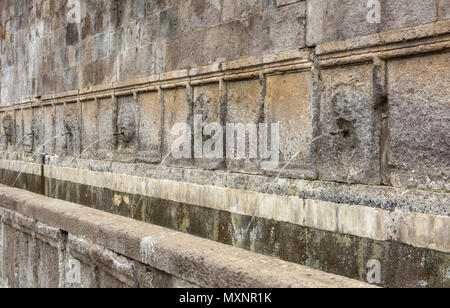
column 177, row 110
column 28, row 139
column 207, row 107
column 350, row 126
column 47, row 266
column 48, row 132
column 444, row 9
column 89, row 128
column 60, row 143
column 347, row 19
column 244, row 106
column 3, row 144
column 37, row 129
column 18, row 130
column 289, row 103
column 18, row 251
column 419, row 121
column 149, row 126
column 72, row 129
column 106, row 127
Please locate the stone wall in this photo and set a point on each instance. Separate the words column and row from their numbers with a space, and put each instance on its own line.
column 364, row 113
column 49, row 46
column 40, row 239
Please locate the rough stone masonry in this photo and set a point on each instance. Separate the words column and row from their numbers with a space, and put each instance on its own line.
column 89, row 92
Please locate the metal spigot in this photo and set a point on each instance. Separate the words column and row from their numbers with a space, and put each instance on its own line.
column 340, row 132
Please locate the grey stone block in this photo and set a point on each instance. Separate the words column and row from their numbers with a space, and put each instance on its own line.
column 419, row 121
column 205, row 13
column 340, row 20
column 349, row 126
column 169, row 22
column 444, row 9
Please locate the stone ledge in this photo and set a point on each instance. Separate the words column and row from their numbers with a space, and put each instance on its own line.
column 205, row 263
column 381, row 197
column 385, row 38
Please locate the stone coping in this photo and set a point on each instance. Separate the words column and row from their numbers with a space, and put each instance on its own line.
column 203, row 262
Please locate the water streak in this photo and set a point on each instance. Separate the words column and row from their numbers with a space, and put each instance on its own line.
column 35, row 153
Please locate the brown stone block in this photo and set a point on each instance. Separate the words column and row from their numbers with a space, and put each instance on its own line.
column 290, row 103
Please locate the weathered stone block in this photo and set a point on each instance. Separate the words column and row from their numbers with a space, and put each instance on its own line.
column 149, row 29
column 106, row 128
column 132, row 35
column 70, row 79
column 321, row 215
column 287, row 30
column 72, row 130
column 89, row 128
column 101, row 44
column 244, row 106
column 47, row 266
column 3, row 140
column 419, row 121
column 18, row 133
column 444, row 9
column 8, row 255
column 425, row 230
column 205, row 13
column 150, row 126
column 116, row 43
column 349, row 126
column 209, row 108
column 228, row 8
column 188, row 50
column 314, row 22
column 289, row 103
column 127, row 64
column 177, row 109
column 127, row 125
column 27, row 129
column 72, row 34
column 169, row 22
column 48, row 133
column 60, row 143
column 37, row 130
column 145, row 64
column 340, row 20
column 245, row 8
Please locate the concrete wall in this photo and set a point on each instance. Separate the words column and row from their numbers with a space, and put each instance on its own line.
column 317, row 67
